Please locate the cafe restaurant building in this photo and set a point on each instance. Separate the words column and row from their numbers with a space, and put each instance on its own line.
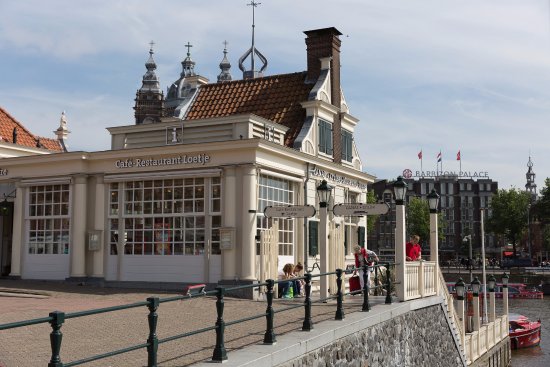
column 180, row 196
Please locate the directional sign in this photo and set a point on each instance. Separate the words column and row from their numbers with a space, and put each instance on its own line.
column 357, row 210
column 290, row 211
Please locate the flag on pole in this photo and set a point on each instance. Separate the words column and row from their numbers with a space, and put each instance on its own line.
column 420, row 154
column 439, row 156
column 458, row 156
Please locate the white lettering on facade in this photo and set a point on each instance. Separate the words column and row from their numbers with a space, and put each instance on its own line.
column 481, row 174
column 201, row 159
column 338, row 179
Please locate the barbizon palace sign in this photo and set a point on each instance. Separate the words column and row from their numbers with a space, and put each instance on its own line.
column 407, row 173
column 200, row 158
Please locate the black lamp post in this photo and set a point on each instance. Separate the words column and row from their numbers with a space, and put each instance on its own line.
column 476, row 286
column 324, row 192
column 400, row 191
column 460, row 288
column 433, row 201
column 491, row 283
column 505, row 279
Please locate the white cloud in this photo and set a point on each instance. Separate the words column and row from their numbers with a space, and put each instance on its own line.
column 437, row 74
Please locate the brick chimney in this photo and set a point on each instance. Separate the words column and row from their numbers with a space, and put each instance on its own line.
column 326, row 43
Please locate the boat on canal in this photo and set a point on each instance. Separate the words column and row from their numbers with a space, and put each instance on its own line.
column 523, row 332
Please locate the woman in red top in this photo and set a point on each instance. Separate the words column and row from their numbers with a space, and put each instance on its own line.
column 413, row 251
column 363, row 256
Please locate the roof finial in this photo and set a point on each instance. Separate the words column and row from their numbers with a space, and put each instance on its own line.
column 252, row 73
column 150, row 80
column 225, row 75
column 188, row 65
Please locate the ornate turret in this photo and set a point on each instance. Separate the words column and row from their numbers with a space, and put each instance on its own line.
column 181, row 92
column 530, row 186
column 225, row 74
column 62, row 132
column 149, row 98
column 252, row 52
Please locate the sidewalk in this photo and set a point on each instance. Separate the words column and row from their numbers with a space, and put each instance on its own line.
column 89, row 335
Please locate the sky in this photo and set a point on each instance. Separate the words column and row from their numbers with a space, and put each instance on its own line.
column 432, row 75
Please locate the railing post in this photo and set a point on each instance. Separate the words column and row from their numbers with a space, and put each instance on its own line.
column 420, row 285
column 220, row 353
column 56, row 336
column 269, row 336
column 339, row 295
column 366, row 306
column 308, row 322
column 388, row 284
column 376, row 291
column 152, row 340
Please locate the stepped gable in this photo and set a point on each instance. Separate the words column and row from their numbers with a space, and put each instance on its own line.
column 277, row 98
column 24, row 136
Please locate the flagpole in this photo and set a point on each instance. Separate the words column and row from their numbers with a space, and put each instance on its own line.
column 421, row 157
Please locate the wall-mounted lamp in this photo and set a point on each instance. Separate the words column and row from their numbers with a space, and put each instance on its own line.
column 5, row 206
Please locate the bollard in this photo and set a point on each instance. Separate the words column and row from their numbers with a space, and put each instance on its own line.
column 366, row 306
column 152, row 340
column 388, row 284
column 339, row 295
column 56, row 336
column 269, row 337
column 220, row 353
column 308, row 322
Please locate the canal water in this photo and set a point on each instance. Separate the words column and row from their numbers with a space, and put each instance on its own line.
column 534, row 309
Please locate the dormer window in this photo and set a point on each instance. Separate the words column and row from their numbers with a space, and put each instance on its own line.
column 325, row 137
column 347, row 144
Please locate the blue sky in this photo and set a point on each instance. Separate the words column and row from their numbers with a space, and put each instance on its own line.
column 435, row 75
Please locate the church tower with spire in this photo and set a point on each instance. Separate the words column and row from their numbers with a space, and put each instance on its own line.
column 225, row 74
column 530, row 186
column 149, row 100
column 182, row 91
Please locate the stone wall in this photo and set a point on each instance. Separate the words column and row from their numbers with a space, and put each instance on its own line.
column 418, row 338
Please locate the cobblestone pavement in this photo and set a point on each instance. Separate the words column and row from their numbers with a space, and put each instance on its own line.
column 89, row 335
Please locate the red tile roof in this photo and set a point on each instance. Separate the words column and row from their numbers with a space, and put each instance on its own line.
column 24, row 136
column 276, row 98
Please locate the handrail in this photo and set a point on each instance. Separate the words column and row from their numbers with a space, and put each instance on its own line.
column 57, row 318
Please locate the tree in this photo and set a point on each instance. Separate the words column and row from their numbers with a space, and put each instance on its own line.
column 418, row 220
column 509, row 214
column 541, row 209
column 371, row 219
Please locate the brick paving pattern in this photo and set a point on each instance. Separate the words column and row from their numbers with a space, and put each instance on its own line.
column 89, row 335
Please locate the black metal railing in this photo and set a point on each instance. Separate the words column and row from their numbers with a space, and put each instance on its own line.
column 56, row 319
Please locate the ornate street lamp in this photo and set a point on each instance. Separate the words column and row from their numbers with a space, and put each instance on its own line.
column 433, row 201
column 400, row 190
column 505, row 279
column 324, row 192
column 491, row 283
column 460, row 288
column 476, row 286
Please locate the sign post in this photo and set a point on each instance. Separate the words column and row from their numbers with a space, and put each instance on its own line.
column 290, row 211
column 358, row 210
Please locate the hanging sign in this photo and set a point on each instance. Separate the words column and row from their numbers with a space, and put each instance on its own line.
column 357, row 210
column 290, row 211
